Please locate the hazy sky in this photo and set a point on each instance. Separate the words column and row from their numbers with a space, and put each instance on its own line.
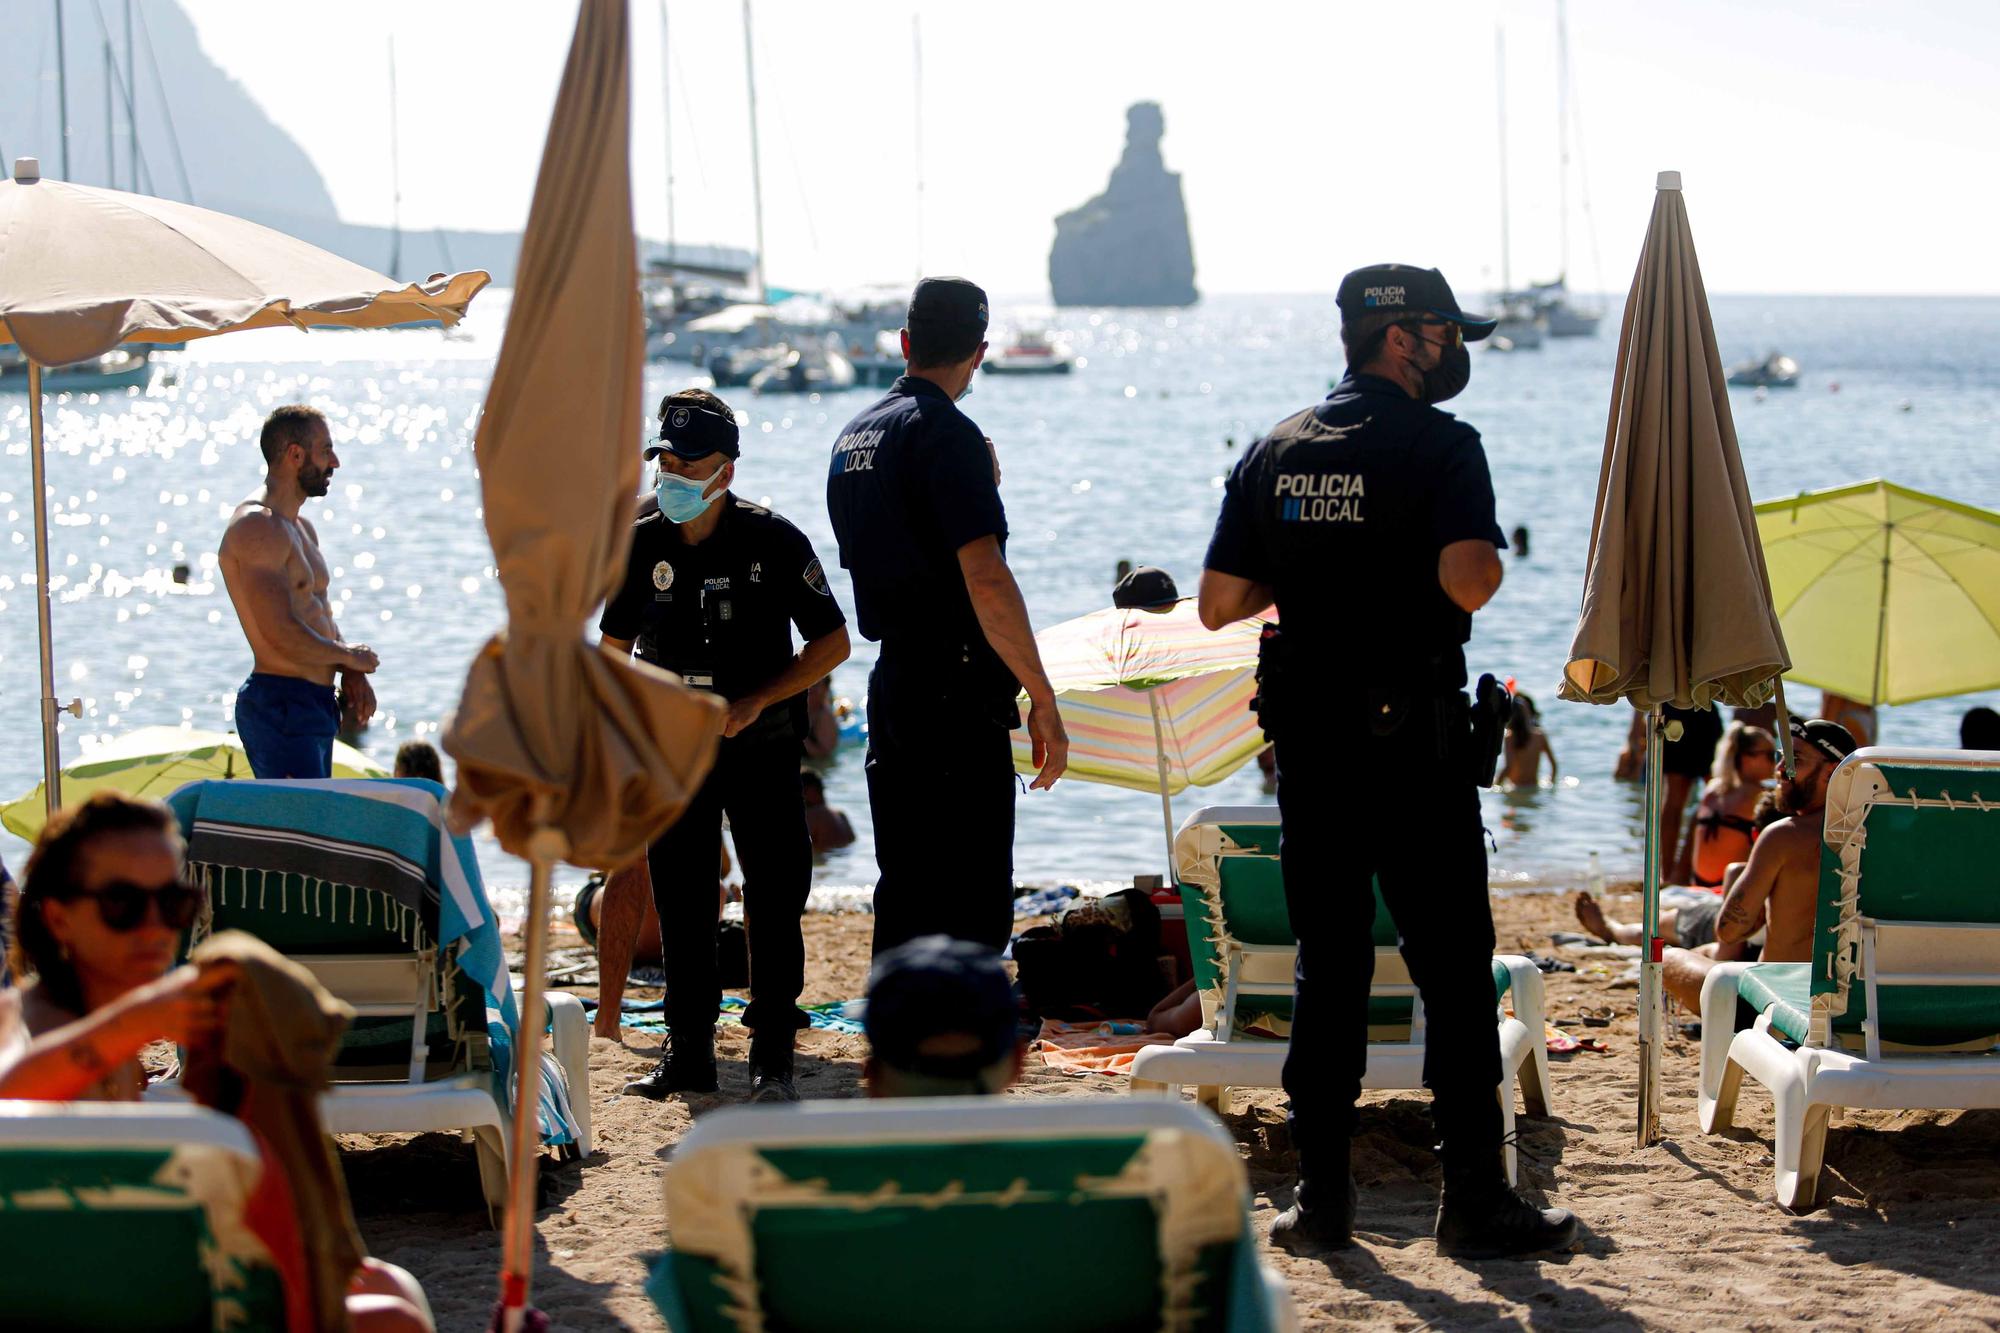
column 1826, row 146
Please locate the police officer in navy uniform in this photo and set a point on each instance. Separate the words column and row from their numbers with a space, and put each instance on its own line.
column 913, row 490
column 712, row 590
column 1369, row 520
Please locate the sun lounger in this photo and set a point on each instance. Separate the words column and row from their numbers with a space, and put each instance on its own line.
column 969, row 1214
column 359, row 882
column 1240, row 937
column 130, row 1217
column 1899, row 1007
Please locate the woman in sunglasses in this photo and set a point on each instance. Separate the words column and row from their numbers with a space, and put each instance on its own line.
column 1723, row 825
column 97, row 925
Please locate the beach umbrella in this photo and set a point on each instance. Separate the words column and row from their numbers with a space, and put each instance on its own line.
column 1887, row 595
column 1152, row 700
column 153, row 761
column 84, row 269
column 571, row 753
column 1676, row 602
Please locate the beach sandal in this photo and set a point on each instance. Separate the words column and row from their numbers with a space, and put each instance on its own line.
column 579, row 911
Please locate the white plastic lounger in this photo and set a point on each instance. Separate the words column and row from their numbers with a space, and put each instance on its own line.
column 1899, row 1007
column 1240, row 935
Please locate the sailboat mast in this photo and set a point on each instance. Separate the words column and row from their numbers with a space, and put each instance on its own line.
column 667, row 126
column 131, row 100
column 110, row 147
column 395, row 173
column 62, row 92
column 1562, row 143
column 917, row 38
column 1500, row 92
column 756, row 169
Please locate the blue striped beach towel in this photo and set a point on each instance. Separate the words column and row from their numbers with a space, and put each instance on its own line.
column 373, row 846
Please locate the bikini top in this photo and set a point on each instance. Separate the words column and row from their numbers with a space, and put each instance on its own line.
column 1715, row 819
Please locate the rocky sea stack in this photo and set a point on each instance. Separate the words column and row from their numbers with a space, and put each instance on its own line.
column 1128, row 246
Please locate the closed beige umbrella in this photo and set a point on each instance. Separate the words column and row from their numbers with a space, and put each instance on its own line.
column 571, row 753
column 84, row 269
column 1676, row 601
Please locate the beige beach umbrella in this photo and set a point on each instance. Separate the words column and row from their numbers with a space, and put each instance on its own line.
column 84, row 269
column 572, row 754
column 1676, row 601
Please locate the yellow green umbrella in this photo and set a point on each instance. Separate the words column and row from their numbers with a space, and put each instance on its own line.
column 153, row 761
column 1887, row 595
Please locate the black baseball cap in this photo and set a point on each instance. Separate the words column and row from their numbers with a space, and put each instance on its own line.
column 940, row 1007
column 692, row 432
column 1145, row 587
column 948, row 301
column 1405, row 289
column 1832, row 740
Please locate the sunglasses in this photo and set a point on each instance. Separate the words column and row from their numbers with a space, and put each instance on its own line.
column 124, row 907
column 1454, row 335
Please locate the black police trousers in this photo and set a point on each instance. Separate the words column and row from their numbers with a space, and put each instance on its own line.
column 757, row 784
column 1357, row 806
column 941, row 792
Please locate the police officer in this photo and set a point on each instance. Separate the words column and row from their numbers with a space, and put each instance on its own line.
column 1369, row 520
column 914, row 493
column 712, row 590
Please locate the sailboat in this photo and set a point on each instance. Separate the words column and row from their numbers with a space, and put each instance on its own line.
column 1564, row 317
column 1518, row 324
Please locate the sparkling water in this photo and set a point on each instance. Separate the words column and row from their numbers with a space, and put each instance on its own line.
column 1122, row 460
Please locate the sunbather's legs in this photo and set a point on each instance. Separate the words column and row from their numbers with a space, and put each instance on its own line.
column 767, row 819
column 1684, row 970
column 623, row 912
column 1591, row 914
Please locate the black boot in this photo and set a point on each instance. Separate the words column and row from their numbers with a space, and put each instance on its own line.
column 1322, row 1211
column 771, row 1068
column 1480, row 1216
column 687, row 1066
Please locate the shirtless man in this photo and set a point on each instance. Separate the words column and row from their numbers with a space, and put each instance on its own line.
column 287, row 711
column 1780, row 881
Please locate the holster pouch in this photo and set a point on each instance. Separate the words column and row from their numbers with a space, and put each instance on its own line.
column 1270, row 679
column 1492, row 704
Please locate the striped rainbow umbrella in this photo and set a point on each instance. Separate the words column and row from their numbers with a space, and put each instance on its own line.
column 1151, row 699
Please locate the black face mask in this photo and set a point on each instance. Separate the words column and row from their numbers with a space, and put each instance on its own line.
column 1448, row 378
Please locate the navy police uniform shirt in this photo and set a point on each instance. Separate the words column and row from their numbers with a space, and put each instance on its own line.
column 1343, row 510
column 721, row 612
column 911, row 481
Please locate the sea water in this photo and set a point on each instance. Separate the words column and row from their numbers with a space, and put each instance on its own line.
column 1124, row 459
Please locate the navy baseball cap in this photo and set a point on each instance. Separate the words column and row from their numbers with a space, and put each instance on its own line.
column 948, row 301
column 691, row 431
column 1404, row 289
column 940, row 1007
column 1145, row 587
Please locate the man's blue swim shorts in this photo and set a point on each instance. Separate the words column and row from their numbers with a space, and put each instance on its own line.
column 287, row 726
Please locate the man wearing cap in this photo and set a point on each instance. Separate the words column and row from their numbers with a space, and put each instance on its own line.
column 712, row 589
column 941, row 1021
column 915, row 500
column 1369, row 520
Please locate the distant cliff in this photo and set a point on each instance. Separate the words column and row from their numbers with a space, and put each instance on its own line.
column 1128, row 246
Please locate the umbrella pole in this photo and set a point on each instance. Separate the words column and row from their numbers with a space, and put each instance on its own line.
column 1166, row 801
column 545, row 847
column 1649, row 961
column 51, row 751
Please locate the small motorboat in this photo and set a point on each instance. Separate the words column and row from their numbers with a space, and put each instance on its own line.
column 1029, row 354
column 120, row 368
column 735, row 367
column 804, row 370
column 1775, row 371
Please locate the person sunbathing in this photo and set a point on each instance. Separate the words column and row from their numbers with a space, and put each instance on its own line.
column 97, row 924
column 1723, row 830
column 1776, row 890
column 941, row 1022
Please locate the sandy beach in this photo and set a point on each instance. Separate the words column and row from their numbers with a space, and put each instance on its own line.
column 1684, row 1234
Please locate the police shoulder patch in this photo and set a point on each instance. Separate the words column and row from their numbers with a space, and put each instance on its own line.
column 815, row 578
column 663, row 576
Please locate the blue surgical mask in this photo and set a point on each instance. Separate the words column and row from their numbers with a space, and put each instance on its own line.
column 683, row 499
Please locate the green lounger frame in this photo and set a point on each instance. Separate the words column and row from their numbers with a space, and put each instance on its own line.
column 1240, row 938
column 1899, row 1007
column 130, row 1217
column 927, row 1214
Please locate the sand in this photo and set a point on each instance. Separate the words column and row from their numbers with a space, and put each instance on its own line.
column 1684, row 1234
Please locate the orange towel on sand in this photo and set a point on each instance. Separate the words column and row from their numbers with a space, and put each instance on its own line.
column 1094, row 1048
